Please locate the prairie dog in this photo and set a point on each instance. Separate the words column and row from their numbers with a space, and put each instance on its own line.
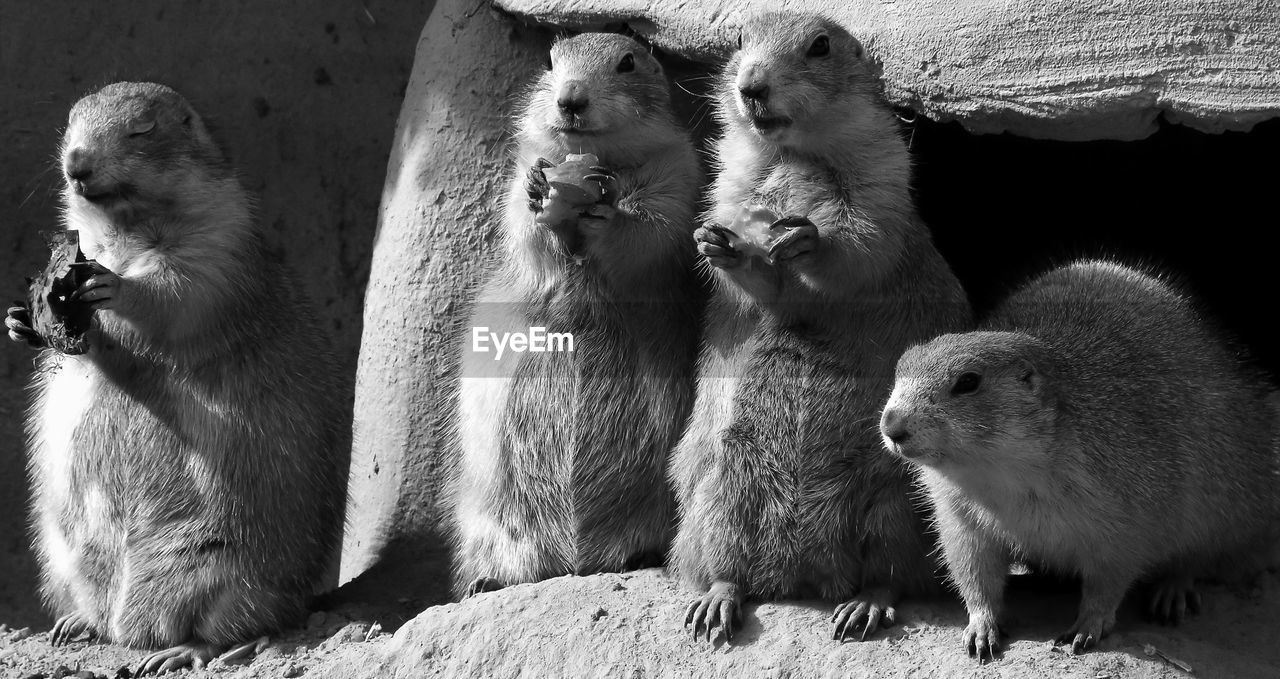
column 189, row 470
column 782, row 487
column 1096, row 424
column 564, row 454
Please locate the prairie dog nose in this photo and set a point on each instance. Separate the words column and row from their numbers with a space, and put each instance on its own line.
column 573, row 97
column 78, row 165
column 752, row 84
column 893, row 424
column 754, row 91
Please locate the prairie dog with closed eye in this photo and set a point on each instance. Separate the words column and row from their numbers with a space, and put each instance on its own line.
column 189, row 470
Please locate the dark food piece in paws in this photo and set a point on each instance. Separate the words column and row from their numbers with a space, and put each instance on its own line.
column 59, row 320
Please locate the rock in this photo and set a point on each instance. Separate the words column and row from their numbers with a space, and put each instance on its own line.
column 352, row 632
column 1063, row 69
column 548, row 629
column 444, row 179
column 268, row 655
column 16, row 635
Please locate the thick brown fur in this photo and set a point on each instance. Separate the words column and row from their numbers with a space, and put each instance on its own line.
column 1104, row 428
column 190, row 470
column 564, row 455
column 782, row 485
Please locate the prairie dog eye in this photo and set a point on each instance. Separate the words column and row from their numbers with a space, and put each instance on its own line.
column 628, row 63
column 821, row 47
column 739, row 39
column 967, row 383
column 142, row 128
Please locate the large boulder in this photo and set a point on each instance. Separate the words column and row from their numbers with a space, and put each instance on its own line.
column 1056, row 69
column 439, row 206
column 629, row 625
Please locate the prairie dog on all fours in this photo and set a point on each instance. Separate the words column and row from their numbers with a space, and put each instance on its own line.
column 1099, row 425
column 564, row 453
column 784, row 490
column 189, row 470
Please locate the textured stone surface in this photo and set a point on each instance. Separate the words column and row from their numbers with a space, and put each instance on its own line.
column 1058, row 69
column 303, row 95
column 629, row 625
column 439, row 205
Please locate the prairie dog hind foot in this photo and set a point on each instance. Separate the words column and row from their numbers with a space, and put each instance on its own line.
column 482, row 585
column 875, row 606
column 720, row 606
column 982, row 637
column 70, row 627
column 195, row 656
column 182, row 656
column 1172, row 597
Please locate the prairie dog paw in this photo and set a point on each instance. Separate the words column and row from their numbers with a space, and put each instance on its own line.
column 800, row 237
column 103, row 290
column 70, row 627
column 18, row 322
column 608, row 182
column 194, row 656
column 720, row 606
column 874, row 607
column 1172, row 598
column 535, row 184
column 982, row 637
column 481, row 585
column 714, row 245
column 1087, row 632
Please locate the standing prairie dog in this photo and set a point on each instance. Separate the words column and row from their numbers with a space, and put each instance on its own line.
column 189, row 470
column 782, row 487
column 564, row 453
column 1097, row 425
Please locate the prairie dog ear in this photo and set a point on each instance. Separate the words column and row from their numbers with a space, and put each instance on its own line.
column 858, row 52
column 1030, row 376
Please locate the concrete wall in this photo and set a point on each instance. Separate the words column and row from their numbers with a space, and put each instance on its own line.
column 302, row 93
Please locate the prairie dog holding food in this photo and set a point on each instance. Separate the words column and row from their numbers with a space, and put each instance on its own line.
column 1098, row 425
column 783, row 488
column 564, row 453
column 189, row 470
